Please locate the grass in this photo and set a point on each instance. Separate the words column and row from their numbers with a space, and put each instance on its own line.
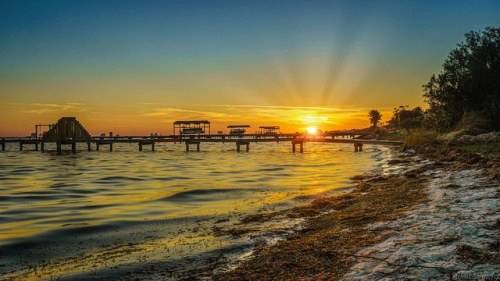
column 420, row 137
column 325, row 248
column 397, row 135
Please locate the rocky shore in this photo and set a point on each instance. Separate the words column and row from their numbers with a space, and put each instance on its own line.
column 427, row 215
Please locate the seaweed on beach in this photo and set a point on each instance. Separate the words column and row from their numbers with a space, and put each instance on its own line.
column 325, row 248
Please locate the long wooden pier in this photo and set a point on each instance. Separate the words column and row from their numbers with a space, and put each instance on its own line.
column 192, row 141
column 69, row 132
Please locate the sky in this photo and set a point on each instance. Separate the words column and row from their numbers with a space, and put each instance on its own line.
column 134, row 67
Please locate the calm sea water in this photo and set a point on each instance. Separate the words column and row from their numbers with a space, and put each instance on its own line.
column 153, row 214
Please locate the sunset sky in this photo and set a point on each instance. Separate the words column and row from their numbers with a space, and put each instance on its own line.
column 134, row 67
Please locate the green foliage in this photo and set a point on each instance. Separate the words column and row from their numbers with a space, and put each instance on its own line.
column 491, row 148
column 469, row 82
column 407, row 119
column 420, row 137
column 375, row 117
column 397, row 135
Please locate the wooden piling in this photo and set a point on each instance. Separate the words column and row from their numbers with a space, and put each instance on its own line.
column 3, row 146
column 140, row 146
column 20, row 146
column 190, row 142
column 240, row 143
column 97, row 146
column 58, row 145
column 358, row 147
column 42, row 146
column 300, row 142
column 73, row 147
column 88, row 146
column 36, row 146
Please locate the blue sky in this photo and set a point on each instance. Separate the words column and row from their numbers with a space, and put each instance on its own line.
column 284, row 53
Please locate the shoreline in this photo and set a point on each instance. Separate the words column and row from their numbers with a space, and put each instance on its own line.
column 342, row 235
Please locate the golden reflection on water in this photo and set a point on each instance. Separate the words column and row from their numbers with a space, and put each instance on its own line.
column 151, row 206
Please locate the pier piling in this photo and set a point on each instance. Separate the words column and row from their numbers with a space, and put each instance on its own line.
column 358, row 147
column 240, row 143
column 189, row 143
column 142, row 143
column 299, row 142
column 99, row 143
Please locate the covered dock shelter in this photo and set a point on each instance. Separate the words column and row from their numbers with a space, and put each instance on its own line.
column 269, row 130
column 237, row 129
column 191, row 127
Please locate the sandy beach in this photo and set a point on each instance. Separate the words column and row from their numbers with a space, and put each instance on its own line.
column 431, row 215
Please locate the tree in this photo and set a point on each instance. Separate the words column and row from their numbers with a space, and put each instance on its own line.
column 375, row 117
column 469, row 83
column 407, row 118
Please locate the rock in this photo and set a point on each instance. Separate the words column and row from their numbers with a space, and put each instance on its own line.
column 472, row 158
column 397, row 161
column 495, row 172
column 410, row 174
column 469, row 229
column 489, row 137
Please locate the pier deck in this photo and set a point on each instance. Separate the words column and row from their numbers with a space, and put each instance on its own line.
column 245, row 140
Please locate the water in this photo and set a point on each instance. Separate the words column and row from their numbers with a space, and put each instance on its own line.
column 156, row 214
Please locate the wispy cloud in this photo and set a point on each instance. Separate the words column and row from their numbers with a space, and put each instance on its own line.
column 175, row 111
column 280, row 107
column 41, row 108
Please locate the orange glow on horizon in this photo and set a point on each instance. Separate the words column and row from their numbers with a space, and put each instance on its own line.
column 147, row 118
column 312, row 130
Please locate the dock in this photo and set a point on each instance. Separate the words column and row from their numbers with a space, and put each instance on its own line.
column 68, row 132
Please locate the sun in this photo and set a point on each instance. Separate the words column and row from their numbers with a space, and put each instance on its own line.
column 312, row 130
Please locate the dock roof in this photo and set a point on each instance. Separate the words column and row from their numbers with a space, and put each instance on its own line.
column 270, row 127
column 238, row 126
column 192, row 122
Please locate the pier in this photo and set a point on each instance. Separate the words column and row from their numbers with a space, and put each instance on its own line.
column 69, row 132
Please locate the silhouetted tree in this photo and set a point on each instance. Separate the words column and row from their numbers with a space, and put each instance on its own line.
column 407, row 118
column 469, row 83
column 375, row 117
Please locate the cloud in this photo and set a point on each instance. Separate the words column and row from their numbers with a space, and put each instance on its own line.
column 41, row 108
column 161, row 112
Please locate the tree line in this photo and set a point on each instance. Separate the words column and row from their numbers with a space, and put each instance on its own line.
column 465, row 94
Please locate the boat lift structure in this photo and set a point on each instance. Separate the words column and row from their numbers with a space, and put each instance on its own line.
column 194, row 127
column 237, row 129
column 269, row 130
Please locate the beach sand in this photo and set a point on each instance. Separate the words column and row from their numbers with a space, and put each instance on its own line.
column 428, row 216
